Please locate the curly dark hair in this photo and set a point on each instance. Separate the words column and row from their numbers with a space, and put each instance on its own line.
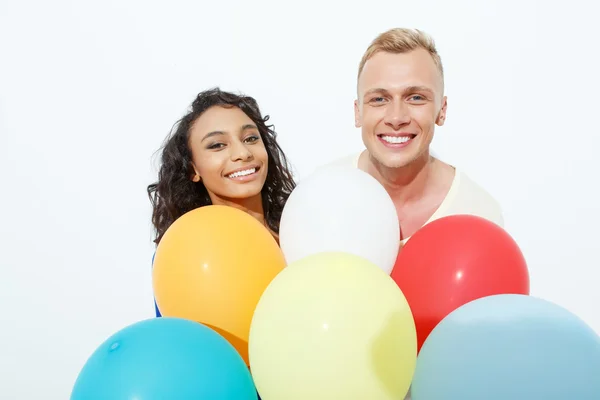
column 175, row 193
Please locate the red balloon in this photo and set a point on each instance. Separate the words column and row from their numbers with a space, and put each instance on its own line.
column 454, row 260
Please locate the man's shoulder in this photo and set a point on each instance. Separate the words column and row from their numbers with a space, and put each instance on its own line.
column 349, row 160
column 468, row 184
column 473, row 198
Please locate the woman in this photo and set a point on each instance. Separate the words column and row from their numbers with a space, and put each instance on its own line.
column 222, row 152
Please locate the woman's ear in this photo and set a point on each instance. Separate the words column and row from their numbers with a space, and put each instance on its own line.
column 196, row 176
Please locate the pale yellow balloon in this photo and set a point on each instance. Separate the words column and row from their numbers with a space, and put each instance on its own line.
column 332, row 326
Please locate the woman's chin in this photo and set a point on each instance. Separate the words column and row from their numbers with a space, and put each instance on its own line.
column 244, row 192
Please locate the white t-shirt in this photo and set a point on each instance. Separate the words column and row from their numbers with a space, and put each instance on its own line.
column 464, row 197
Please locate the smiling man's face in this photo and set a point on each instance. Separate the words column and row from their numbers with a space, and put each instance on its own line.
column 400, row 101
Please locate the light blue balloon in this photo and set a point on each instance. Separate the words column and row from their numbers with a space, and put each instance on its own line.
column 509, row 347
column 165, row 358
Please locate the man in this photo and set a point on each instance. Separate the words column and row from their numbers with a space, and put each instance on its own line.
column 400, row 100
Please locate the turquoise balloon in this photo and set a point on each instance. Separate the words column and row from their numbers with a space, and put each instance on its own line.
column 509, row 347
column 165, row 358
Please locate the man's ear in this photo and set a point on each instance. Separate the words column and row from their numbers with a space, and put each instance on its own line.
column 357, row 119
column 441, row 118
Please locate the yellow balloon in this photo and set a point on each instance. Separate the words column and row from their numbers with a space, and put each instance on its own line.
column 332, row 326
column 211, row 266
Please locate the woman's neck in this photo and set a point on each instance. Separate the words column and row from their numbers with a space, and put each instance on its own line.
column 251, row 205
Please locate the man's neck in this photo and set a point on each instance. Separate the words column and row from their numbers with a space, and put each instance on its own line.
column 406, row 184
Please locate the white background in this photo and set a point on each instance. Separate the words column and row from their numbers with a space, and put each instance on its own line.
column 88, row 91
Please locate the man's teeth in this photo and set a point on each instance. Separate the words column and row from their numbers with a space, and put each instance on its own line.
column 242, row 173
column 396, row 139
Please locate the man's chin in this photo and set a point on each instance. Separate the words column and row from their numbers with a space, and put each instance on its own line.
column 392, row 161
column 395, row 164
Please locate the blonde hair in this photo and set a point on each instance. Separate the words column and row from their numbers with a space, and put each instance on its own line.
column 402, row 40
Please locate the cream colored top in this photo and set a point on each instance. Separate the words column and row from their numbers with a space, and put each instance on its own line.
column 464, row 197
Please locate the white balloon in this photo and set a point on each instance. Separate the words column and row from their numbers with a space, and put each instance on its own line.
column 340, row 208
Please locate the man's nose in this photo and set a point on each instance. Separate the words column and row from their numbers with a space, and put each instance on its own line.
column 397, row 115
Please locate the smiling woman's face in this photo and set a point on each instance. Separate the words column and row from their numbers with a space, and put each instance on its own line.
column 228, row 154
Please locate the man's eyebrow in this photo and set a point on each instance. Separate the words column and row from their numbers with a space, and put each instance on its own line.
column 376, row 90
column 418, row 88
column 409, row 89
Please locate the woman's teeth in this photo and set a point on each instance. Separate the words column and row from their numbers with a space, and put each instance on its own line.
column 242, row 173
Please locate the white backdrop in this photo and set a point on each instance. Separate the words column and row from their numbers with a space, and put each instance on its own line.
column 88, row 91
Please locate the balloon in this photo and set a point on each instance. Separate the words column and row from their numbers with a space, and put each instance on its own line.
column 211, row 266
column 509, row 347
column 165, row 358
column 340, row 209
column 454, row 260
column 332, row 326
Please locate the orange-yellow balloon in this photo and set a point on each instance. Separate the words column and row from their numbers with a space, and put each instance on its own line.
column 212, row 266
